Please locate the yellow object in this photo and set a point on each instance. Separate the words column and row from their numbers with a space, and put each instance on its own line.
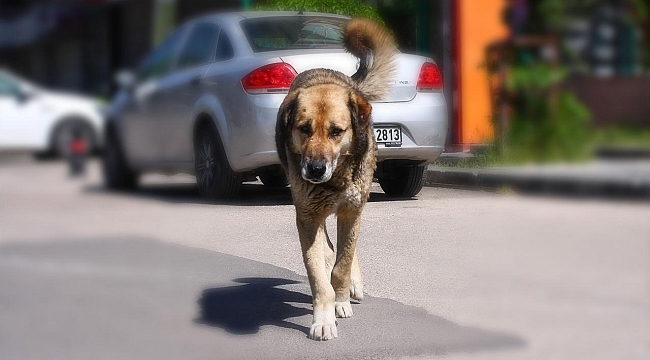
column 479, row 23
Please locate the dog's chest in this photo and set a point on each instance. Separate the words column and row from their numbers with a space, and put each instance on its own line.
column 352, row 196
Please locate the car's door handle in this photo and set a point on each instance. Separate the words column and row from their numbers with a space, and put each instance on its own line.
column 196, row 81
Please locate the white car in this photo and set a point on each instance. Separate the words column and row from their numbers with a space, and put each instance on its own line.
column 44, row 121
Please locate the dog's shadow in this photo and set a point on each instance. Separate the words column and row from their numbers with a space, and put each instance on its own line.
column 243, row 309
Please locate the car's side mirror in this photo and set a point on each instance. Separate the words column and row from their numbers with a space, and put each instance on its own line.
column 125, row 79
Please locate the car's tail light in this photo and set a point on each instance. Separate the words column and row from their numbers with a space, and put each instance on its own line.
column 271, row 78
column 430, row 78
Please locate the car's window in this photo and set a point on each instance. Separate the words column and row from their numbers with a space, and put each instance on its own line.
column 293, row 32
column 200, row 46
column 8, row 87
column 224, row 47
column 159, row 61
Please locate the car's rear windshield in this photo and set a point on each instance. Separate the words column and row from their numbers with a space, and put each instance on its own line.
column 293, row 32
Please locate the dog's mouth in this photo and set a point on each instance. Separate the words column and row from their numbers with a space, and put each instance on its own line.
column 317, row 172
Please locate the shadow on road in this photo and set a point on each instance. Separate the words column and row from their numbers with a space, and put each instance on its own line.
column 244, row 308
column 252, row 194
column 131, row 297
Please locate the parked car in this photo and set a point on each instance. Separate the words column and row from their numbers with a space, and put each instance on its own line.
column 205, row 102
column 44, row 121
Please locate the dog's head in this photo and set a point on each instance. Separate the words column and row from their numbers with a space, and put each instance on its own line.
column 322, row 123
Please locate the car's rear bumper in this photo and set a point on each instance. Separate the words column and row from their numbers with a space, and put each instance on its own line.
column 423, row 155
column 423, row 121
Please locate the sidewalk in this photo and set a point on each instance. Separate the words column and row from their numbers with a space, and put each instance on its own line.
column 615, row 178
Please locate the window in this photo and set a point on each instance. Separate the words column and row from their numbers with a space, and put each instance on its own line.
column 199, row 47
column 8, row 87
column 293, row 32
column 224, row 47
column 158, row 62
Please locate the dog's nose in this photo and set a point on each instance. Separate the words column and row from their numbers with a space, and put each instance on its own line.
column 316, row 169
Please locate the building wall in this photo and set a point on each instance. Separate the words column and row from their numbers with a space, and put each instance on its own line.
column 619, row 101
column 86, row 43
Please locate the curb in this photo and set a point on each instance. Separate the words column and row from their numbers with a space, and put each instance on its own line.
column 623, row 153
column 496, row 179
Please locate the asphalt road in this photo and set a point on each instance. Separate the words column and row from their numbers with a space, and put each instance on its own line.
column 161, row 274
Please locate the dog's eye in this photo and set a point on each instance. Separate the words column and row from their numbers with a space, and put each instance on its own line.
column 305, row 129
column 335, row 132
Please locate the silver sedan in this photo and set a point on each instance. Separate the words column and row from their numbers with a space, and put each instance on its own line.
column 205, row 102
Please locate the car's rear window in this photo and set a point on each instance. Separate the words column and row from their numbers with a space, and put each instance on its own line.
column 293, row 32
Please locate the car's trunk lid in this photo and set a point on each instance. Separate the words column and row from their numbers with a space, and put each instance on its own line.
column 403, row 86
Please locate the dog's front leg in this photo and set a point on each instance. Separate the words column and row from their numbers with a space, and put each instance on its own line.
column 313, row 241
column 348, row 225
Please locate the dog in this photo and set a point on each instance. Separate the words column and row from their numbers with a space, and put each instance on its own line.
column 326, row 145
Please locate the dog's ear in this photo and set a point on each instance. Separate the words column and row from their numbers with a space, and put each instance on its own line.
column 360, row 111
column 284, row 124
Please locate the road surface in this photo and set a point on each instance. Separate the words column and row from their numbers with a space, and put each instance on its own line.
column 161, row 274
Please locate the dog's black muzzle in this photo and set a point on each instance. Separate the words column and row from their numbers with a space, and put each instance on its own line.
column 314, row 170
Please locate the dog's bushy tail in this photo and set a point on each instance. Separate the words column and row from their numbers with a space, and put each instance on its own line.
column 375, row 48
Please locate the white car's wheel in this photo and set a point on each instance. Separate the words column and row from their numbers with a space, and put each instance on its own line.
column 66, row 131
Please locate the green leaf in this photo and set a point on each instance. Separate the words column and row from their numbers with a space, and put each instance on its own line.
column 352, row 8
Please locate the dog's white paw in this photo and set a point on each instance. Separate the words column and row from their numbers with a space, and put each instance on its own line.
column 356, row 289
column 343, row 309
column 323, row 331
column 324, row 325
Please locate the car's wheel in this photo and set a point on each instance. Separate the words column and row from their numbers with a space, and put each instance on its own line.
column 117, row 173
column 404, row 181
column 66, row 131
column 274, row 179
column 215, row 178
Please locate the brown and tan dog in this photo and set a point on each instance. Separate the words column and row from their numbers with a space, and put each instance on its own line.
column 326, row 144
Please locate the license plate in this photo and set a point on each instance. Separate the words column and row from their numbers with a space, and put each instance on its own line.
column 389, row 136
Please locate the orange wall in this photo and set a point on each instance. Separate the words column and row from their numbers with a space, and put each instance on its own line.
column 479, row 24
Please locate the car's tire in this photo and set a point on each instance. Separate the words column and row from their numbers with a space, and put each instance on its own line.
column 404, row 181
column 116, row 171
column 214, row 176
column 63, row 134
column 274, row 179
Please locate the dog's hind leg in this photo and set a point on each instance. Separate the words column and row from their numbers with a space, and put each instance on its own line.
column 348, row 225
column 313, row 243
column 330, row 255
column 356, row 279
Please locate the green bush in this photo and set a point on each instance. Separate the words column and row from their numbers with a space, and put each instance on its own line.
column 622, row 136
column 547, row 123
column 352, row 8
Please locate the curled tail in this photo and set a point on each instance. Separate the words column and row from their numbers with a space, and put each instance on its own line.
column 375, row 48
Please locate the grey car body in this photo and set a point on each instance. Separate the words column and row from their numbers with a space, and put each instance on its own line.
column 156, row 116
